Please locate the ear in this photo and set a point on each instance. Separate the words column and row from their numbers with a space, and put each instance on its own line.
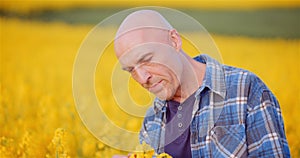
column 175, row 39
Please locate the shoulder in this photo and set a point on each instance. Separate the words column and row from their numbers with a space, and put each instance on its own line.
column 245, row 82
column 244, row 77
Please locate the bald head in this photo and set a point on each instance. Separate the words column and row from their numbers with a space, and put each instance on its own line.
column 141, row 27
column 143, row 19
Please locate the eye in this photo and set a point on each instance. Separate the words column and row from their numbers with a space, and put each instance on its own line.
column 148, row 58
column 128, row 69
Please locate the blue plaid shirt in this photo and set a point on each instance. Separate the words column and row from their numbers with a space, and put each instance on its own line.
column 234, row 115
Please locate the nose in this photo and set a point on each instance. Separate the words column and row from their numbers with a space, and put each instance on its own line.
column 141, row 75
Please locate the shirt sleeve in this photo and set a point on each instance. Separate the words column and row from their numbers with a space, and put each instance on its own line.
column 265, row 127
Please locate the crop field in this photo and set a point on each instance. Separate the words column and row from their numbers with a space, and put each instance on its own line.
column 38, row 116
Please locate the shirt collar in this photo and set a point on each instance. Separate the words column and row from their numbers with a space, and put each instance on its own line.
column 159, row 105
column 214, row 79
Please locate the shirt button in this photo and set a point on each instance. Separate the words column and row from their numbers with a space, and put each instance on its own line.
column 180, row 125
column 179, row 108
column 179, row 116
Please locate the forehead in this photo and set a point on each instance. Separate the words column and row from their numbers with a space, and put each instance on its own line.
column 131, row 56
column 133, row 38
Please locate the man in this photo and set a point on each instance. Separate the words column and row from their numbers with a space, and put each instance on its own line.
column 203, row 108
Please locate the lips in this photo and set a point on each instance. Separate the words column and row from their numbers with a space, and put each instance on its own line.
column 155, row 87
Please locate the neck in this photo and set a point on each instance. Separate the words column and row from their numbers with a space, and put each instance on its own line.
column 192, row 78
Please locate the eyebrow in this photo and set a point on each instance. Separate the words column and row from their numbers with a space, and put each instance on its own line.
column 139, row 60
column 142, row 58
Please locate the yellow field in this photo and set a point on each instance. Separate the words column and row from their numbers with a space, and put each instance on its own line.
column 37, row 113
column 26, row 6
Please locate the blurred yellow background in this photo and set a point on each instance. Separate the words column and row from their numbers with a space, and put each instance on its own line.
column 37, row 114
column 26, row 6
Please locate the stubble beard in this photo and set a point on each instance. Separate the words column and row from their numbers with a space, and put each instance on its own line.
column 167, row 93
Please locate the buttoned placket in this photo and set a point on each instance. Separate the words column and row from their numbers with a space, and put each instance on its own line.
column 179, row 111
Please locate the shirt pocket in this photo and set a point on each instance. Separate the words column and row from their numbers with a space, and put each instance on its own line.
column 226, row 141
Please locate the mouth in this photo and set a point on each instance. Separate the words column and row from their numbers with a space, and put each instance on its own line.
column 155, row 87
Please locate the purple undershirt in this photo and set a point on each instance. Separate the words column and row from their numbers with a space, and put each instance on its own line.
column 177, row 138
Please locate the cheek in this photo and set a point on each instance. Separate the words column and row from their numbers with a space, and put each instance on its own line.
column 172, row 76
column 165, row 69
column 172, row 67
column 164, row 73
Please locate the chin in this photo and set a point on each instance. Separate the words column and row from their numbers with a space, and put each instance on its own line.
column 164, row 95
